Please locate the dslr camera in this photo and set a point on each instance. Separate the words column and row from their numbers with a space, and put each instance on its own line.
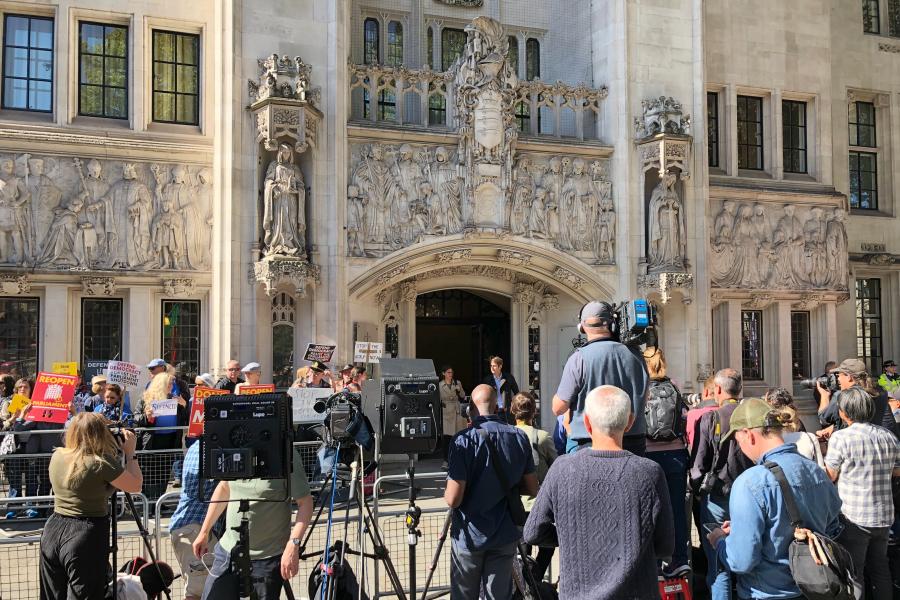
column 828, row 381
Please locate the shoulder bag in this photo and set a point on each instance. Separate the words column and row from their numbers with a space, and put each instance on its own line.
column 513, row 499
column 820, row 566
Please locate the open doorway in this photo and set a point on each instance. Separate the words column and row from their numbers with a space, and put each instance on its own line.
column 463, row 329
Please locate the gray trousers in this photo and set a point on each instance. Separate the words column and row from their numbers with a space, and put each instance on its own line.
column 868, row 548
column 492, row 569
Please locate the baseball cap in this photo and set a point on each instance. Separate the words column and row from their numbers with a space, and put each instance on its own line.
column 851, row 366
column 156, row 362
column 346, row 367
column 888, row 363
column 98, row 379
column 751, row 413
column 595, row 310
column 251, row 367
column 207, row 379
column 318, row 366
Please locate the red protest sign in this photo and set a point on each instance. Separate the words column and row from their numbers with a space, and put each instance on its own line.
column 201, row 393
column 252, row 390
column 52, row 394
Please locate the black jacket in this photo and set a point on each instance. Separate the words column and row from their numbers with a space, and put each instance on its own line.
column 725, row 461
column 509, row 388
column 226, row 384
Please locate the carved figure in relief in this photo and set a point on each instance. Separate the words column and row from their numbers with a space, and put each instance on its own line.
column 787, row 243
column 553, row 232
column 814, row 251
column 45, row 197
column 132, row 205
column 203, row 206
column 523, row 196
column 419, row 215
column 605, row 249
column 746, row 250
column 553, row 181
column 167, row 236
column 184, row 202
column 378, row 187
column 448, row 187
column 836, row 247
column 409, row 175
column 15, row 228
column 356, row 222
column 284, row 206
column 665, row 212
column 98, row 208
column 64, row 245
column 578, row 197
column 537, row 215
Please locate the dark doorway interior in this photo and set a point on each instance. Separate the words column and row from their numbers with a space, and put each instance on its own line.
column 462, row 329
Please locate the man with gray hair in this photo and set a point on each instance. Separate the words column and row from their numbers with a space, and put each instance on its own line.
column 862, row 459
column 607, row 509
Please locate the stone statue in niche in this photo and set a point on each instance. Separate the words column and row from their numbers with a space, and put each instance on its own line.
column 522, row 197
column 806, row 250
column 356, row 222
column 409, row 176
column 448, row 188
column 667, row 245
column 284, row 207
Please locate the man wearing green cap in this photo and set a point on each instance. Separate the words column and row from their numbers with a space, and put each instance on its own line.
column 753, row 545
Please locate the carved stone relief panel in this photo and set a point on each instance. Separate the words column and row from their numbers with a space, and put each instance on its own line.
column 756, row 245
column 66, row 213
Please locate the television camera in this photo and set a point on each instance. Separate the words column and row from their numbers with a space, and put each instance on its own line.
column 829, row 381
column 632, row 323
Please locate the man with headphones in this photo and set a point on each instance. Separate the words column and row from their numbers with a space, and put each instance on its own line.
column 602, row 361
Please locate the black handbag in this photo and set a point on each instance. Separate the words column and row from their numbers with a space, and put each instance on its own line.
column 821, row 567
column 513, row 499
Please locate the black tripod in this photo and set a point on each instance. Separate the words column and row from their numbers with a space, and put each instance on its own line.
column 114, row 546
column 334, row 554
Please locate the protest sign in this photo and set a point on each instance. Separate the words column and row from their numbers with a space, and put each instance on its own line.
column 319, row 352
column 252, row 390
column 51, row 397
column 201, row 393
column 367, row 352
column 164, row 408
column 123, row 373
column 17, row 402
column 302, row 401
column 65, row 368
column 91, row 368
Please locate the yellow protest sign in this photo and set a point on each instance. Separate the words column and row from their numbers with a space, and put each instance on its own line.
column 17, row 402
column 65, row 368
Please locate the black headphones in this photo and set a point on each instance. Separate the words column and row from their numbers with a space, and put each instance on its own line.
column 606, row 314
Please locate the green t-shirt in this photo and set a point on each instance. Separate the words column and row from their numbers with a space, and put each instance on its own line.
column 89, row 496
column 270, row 522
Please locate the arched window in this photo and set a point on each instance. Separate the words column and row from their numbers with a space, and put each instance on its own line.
column 453, row 42
column 395, row 44
column 283, row 319
column 532, row 59
column 513, row 55
column 429, row 49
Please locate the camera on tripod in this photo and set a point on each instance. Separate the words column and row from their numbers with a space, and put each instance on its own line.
column 829, row 381
column 343, row 418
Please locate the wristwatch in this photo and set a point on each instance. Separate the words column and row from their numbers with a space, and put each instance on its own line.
column 295, row 541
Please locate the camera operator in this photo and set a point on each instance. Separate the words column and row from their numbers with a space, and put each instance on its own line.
column 75, row 540
column 274, row 549
column 483, row 533
column 602, row 361
column 850, row 372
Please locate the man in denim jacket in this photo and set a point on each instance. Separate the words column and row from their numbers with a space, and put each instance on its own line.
column 754, row 544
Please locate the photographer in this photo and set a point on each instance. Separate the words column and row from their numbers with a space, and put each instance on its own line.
column 274, row 549
column 483, row 533
column 602, row 361
column 850, row 372
column 75, row 540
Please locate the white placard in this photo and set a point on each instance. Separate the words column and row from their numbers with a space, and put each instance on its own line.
column 122, row 373
column 164, row 408
column 303, row 400
column 367, row 352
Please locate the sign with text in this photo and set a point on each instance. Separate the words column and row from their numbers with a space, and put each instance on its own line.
column 252, row 390
column 367, row 352
column 52, row 394
column 123, row 373
column 164, row 408
column 65, row 368
column 94, row 367
column 201, row 393
column 320, row 352
column 302, row 401
column 17, row 403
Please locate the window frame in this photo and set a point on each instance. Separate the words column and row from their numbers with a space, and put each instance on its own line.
column 444, row 45
column 28, row 79
column 532, row 51
column 874, row 192
column 79, row 53
column 761, row 356
column 864, row 342
column 513, row 54
column 81, row 321
column 162, row 329
column 37, row 335
column 856, row 125
column 713, row 136
column 803, row 150
column 761, row 146
column 868, row 18
column 805, row 353
column 175, row 64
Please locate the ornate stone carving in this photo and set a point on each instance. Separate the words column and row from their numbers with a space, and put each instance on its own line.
column 667, row 239
column 98, row 286
column 489, row 271
column 178, row 286
column 514, row 257
column 452, row 256
column 661, row 115
column 69, row 214
column 663, row 283
column 393, row 274
column 872, row 247
column 536, row 299
column 274, row 271
column 892, row 48
column 568, row 277
column 880, row 260
column 809, row 301
column 465, row 3
column 14, row 284
column 759, row 301
column 805, row 249
column 283, row 102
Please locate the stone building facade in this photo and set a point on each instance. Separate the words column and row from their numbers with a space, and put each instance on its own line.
column 455, row 179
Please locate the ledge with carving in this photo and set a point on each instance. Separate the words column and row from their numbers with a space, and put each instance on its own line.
column 105, row 283
column 660, row 286
column 876, row 259
column 276, row 271
column 283, row 101
column 762, row 299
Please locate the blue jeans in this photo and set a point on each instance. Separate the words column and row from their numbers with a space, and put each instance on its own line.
column 472, row 569
column 674, row 464
column 714, row 509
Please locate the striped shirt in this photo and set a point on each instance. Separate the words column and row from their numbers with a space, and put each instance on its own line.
column 191, row 508
column 864, row 456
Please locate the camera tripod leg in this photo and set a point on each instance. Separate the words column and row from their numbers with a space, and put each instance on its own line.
column 445, row 530
column 145, row 535
column 114, row 544
column 380, row 550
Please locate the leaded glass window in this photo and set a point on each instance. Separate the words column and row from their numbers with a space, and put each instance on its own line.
column 19, row 336
column 28, row 63
column 752, row 344
column 868, row 322
column 103, row 70
column 101, row 329
column 181, row 335
column 453, row 41
column 793, row 116
column 176, row 77
column 750, row 132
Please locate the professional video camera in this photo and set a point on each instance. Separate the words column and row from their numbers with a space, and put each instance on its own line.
column 632, row 323
column 344, row 421
column 829, row 381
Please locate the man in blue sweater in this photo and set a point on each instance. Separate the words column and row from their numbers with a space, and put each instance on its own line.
column 754, row 544
column 607, row 509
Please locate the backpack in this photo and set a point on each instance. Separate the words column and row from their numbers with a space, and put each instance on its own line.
column 662, row 412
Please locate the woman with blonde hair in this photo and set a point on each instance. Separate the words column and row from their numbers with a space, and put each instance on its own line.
column 157, row 433
column 75, row 540
column 782, row 403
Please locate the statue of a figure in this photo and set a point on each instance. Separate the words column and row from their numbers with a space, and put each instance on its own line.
column 579, row 198
column 99, row 208
column 814, row 252
column 45, row 197
column 537, row 215
column 183, row 200
column 447, row 214
column 836, row 246
column 284, row 206
column 746, row 250
column 605, row 250
column 167, row 236
column 409, row 177
column 557, row 224
column 133, row 207
column 723, row 251
column 203, row 206
column 356, row 222
column 523, row 196
column 419, row 215
column 15, row 215
column 65, row 244
column 667, row 247
column 378, row 188
column 787, row 243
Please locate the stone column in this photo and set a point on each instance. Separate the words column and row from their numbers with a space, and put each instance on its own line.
column 733, row 320
column 730, row 132
column 138, row 341
column 783, row 373
column 55, row 308
column 777, row 137
column 823, row 336
column 518, row 343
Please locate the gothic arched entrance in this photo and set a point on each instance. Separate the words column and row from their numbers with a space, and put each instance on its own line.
column 463, row 329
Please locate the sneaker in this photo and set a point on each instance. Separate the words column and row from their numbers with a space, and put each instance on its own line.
column 32, row 513
column 11, row 514
column 675, row 571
